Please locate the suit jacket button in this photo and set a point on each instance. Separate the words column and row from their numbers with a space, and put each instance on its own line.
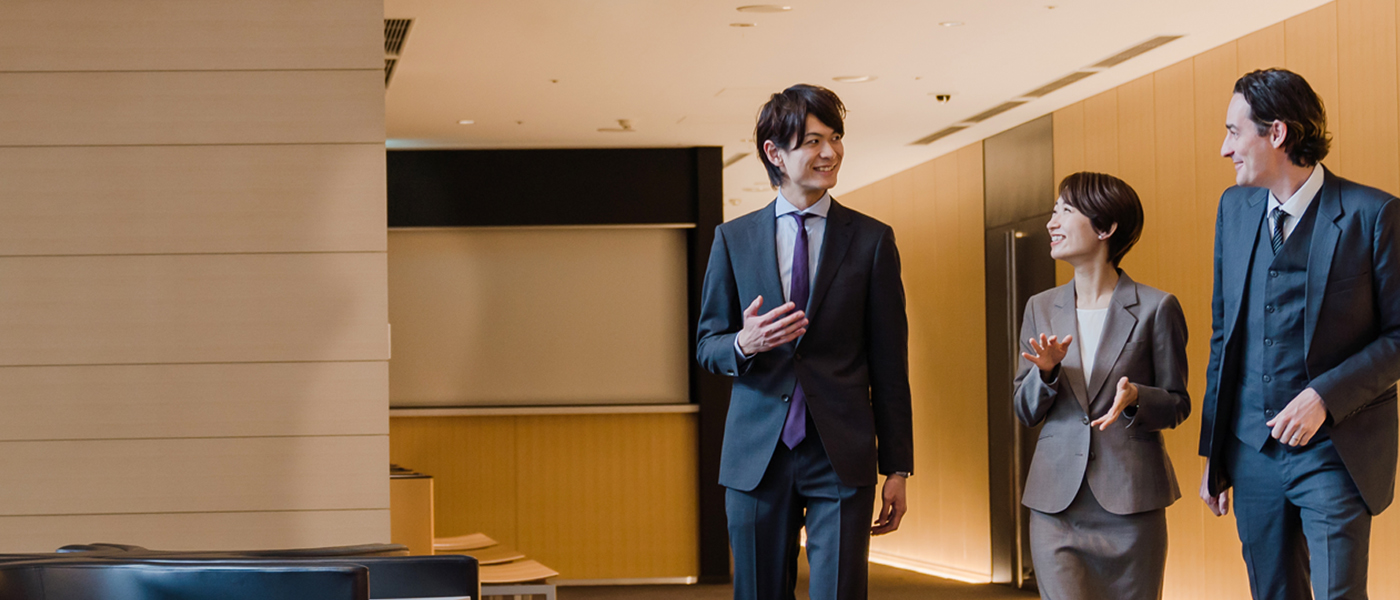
column 1085, row 420
column 786, row 397
column 1091, row 456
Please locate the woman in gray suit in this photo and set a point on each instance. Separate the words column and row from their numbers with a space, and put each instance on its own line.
column 1103, row 366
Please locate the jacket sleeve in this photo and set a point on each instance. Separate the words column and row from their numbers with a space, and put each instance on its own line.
column 721, row 317
column 1165, row 403
column 1033, row 397
column 1351, row 385
column 1217, row 346
column 888, row 356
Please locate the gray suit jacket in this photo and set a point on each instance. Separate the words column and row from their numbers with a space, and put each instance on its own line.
column 1351, row 328
column 853, row 361
column 1144, row 339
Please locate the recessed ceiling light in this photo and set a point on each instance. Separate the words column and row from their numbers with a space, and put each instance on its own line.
column 951, row 23
column 764, row 8
column 854, row 78
column 743, row 24
column 466, row 122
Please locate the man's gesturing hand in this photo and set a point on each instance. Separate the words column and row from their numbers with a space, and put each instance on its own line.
column 893, row 505
column 769, row 330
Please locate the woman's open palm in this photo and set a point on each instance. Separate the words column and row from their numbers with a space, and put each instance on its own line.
column 1046, row 352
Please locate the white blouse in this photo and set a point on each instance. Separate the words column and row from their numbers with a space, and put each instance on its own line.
column 1091, row 322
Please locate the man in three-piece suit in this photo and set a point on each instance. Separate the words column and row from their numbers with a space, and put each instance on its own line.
column 804, row 307
column 1299, row 413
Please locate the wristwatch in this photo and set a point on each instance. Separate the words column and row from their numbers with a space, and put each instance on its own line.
column 904, row 474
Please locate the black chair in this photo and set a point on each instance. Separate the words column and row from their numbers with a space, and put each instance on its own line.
column 99, row 579
column 328, row 551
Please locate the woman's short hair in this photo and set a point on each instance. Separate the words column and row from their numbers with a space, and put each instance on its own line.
column 1106, row 200
column 783, row 120
column 1284, row 96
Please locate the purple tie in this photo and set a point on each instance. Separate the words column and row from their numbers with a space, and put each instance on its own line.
column 795, row 428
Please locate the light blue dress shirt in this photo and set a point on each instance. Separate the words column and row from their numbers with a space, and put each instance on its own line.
column 785, row 237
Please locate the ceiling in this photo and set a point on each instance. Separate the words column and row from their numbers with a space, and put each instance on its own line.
column 551, row 73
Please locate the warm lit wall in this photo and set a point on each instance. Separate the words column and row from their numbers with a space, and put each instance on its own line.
column 192, row 274
column 1162, row 134
column 602, row 496
column 936, row 210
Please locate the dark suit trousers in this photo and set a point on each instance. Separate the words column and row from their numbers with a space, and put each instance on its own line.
column 1298, row 511
column 800, row 486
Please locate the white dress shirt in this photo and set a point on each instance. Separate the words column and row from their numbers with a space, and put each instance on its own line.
column 1297, row 204
column 785, row 237
column 1091, row 321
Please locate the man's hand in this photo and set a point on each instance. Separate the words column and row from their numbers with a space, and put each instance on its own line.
column 892, row 506
column 1127, row 395
column 767, row 331
column 1218, row 505
column 1048, row 352
column 1299, row 421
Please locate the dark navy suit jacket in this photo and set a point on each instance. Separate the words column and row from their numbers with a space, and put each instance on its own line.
column 1351, row 326
column 853, row 361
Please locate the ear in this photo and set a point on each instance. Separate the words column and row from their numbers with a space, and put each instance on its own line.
column 1104, row 235
column 774, row 155
column 1278, row 133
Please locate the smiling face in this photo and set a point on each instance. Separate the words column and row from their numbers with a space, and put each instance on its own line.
column 1073, row 238
column 1258, row 158
column 811, row 166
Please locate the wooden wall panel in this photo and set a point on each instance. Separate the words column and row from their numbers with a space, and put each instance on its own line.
column 1137, row 165
column 192, row 308
column 1310, row 46
column 185, row 107
column 1367, row 110
column 193, row 475
column 95, row 35
column 191, row 199
column 216, row 400
column 1263, row 49
column 595, row 496
column 198, row 531
column 1068, row 144
column 1101, row 133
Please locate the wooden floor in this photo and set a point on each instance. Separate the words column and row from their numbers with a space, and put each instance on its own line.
column 886, row 583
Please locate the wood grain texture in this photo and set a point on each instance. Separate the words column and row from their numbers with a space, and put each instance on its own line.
column 230, row 107
column 474, row 468
column 199, row 530
column 194, row 475
column 1101, row 133
column 1310, row 45
column 1367, row 108
column 94, row 35
column 1263, row 49
column 219, row 400
column 201, row 199
column 192, row 308
column 1137, row 165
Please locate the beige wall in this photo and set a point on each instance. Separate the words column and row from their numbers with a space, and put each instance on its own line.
column 936, row 210
column 192, row 274
column 1162, row 133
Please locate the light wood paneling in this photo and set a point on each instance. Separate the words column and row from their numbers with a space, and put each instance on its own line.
column 936, row 210
column 1137, row 165
column 411, row 513
column 1310, row 50
column 169, row 199
column 598, row 496
column 96, row 35
column 220, row 400
column 1367, row 110
column 193, row 475
column 199, row 531
column 1101, row 133
column 621, row 490
column 183, row 308
column 1263, row 49
column 1068, row 144
column 231, row 107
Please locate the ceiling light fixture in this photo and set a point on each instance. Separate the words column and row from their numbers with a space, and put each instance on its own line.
column 743, row 24
column 764, row 8
column 854, row 78
column 466, row 122
column 952, row 23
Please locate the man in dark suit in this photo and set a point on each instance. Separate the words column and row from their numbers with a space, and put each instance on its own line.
column 817, row 378
column 1299, row 413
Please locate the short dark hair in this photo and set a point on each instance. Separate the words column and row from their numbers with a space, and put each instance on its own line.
column 1106, row 200
column 783, row 120
column 1284, row 96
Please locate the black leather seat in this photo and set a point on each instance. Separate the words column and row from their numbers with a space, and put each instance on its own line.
column 98, row 579
column 389, row 576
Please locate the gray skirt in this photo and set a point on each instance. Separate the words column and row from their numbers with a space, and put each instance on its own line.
column 1086, row 552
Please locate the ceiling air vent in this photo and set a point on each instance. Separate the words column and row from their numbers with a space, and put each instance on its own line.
column 395, row 33
column 1058, row 83
column 1137, row 50
column 940, row 134
column 995, row 110
column 736, row 158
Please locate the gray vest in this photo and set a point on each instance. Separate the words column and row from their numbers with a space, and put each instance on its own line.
column 1273, row 366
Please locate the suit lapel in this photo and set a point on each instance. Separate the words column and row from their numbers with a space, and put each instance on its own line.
column 834, row 244
column 1117, row 327
column 1238, row 249
column 763, row 242
column 1324, row 243
column 1064, row 321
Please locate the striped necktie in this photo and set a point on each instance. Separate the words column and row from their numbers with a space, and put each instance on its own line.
column 1279, row 218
